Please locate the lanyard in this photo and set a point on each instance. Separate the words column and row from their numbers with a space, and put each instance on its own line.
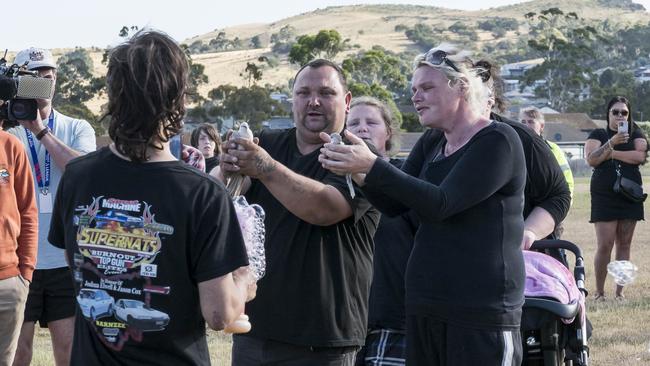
column 43, row 181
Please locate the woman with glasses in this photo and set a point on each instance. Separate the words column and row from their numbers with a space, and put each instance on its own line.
column 620, row 144
column 465, row 275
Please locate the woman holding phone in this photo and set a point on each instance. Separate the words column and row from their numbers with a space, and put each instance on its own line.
column 620, row 144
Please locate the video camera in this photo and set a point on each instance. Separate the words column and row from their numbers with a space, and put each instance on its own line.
column 19, row 89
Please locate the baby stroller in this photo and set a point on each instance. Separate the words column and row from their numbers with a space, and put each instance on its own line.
column 554, row 322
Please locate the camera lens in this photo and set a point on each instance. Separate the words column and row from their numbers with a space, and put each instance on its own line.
column 19, row 110
column 23, row 109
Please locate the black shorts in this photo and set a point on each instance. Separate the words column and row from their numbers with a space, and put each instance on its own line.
column 51, row 296
column 431, row 342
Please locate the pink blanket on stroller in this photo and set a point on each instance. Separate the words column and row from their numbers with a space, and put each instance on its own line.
column 547, row 277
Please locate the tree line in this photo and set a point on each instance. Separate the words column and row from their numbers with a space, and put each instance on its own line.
column 584, row 64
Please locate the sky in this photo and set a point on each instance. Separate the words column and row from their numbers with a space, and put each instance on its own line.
column 70, row 23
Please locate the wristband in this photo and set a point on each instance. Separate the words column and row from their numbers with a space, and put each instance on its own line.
column 42, row 133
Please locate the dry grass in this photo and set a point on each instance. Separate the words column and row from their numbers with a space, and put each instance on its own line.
column 364, row 26
column 621, row 335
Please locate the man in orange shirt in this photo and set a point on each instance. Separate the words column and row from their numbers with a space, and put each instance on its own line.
column 18, row 240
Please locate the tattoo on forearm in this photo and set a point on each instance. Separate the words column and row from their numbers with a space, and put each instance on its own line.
column 600, row 152
column 264, row 166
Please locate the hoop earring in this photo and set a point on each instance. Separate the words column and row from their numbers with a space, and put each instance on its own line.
column 449, row 84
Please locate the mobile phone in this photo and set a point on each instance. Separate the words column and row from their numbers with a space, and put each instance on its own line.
column 176, row 146
column 622, row 126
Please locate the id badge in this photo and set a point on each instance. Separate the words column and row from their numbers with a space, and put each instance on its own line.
column 44, row 203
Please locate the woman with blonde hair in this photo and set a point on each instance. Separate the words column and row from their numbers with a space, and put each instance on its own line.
column 465, row 276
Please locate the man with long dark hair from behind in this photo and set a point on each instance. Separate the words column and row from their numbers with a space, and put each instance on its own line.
column 154, row 245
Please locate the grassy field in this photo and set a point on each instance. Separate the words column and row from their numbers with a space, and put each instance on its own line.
column 621, row 335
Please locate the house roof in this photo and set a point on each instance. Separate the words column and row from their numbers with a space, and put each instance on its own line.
column 601, row 123
column 560, row 132
column 580, row 121
column 522, row 65
column 548, row 110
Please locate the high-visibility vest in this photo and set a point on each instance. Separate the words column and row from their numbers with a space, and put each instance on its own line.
column 560, row 156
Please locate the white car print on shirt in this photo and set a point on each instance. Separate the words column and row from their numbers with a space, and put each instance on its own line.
column 95, row 304
column 137, row 314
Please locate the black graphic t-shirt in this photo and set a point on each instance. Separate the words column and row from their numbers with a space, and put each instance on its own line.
column 315, row 291
column 139, row 238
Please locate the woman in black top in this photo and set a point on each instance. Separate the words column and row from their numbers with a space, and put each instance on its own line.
column 547, row 197
column 465, row 276
column 207, row 140
column 614, row 217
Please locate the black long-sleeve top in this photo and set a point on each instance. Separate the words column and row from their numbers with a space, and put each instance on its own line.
column 546, row 186
column 393, row 246
column 466, row 266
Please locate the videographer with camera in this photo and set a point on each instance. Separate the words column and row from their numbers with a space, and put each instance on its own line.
column 51, row 141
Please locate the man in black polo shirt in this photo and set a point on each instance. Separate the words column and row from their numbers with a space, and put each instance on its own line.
column 311, row 307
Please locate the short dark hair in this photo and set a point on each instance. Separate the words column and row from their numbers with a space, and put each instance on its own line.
column 147, row 80
column 209, row 130
column 320, row 62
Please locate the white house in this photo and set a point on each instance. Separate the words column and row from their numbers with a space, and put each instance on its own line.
column 642, row 74
column 518, row 69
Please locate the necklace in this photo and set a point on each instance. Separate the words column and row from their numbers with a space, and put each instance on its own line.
column 466, row 135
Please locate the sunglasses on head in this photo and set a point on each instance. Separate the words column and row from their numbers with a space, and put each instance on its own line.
column 438, row 57
column 617, row 112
